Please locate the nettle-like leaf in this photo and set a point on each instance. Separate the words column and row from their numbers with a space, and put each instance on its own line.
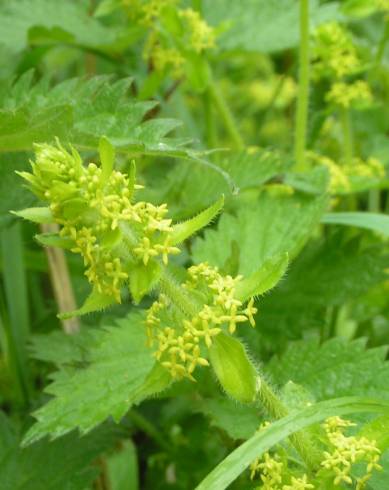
column 239, row 421
column 263, row 25
column 274, row 225
column 64, row 464
column 27, row 22
column 81, row 112
column 328, row 273
column 118, row 371
column 187, row 189
column 333, row 369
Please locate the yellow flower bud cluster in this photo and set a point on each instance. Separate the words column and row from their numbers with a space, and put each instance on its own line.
column 201, row 35
column 98, row 217
column 334, row 55
column 347, row 94
column 342, row 177
column 165, row 58
column 180, row 349
column 346, row 451
column 273, row 472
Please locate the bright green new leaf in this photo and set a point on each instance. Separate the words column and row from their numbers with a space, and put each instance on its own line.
column 96, row 301
column 107, row 157
column 182, row 231
column 233, row 369
column 37, row 215
column 263, row 279
column 54, row 240
column 143, row 278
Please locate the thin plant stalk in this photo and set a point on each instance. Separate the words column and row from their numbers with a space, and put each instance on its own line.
column 303, row 89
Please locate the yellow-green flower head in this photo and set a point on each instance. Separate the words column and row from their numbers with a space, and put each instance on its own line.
column 201, row 35
column 346, row 451
column 94, row 205
column 333, row 54
column 215, row 308
column 350, row 94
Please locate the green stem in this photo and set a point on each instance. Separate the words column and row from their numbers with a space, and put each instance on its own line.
column 303, row 88
column 210, row 130
column 226, row 115
column 382, row 45
column 266, row 395
column 148, row 428
column 347, row 136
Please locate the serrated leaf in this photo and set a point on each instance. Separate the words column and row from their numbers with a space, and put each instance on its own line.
column 65, row 464
column 96, row 301
column 182, row 231
column 264, row 278
column 119, row 373
column 264, row 229
column 335, row 368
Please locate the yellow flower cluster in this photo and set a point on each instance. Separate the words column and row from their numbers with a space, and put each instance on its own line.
column 334, row 54
column 346, row 94
column 164, row 58
column 273, row 471
column 202, row 36
column 180, row 349
column 98, row 216
column 347, row 451
column 342, row 176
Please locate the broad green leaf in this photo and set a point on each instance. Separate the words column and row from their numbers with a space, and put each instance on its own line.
column 122, row 468
column 240, row 459
column 80, row 112
column 370, row 221
column 119, row 372
column 143, row 278
column 182, row 231
column 271, row 226
column 239, row 421
column 235, row 372
column 70, row 19
column 335, row 368
column 37, row 215
column 263, row 25
column 66, row 464
column 263, row 279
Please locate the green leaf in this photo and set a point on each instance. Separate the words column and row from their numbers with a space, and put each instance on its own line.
column 36, row 215
column 107, row 158
column 274, row 225
column 96, row 301
column 182, row 231
column 263, row 279
column 119, row 372
column 263, row 25
column 143, row 278
column 122, row 468
column 54, row 240
column 335, row 368
column 67, row 463
column 240, row 459
column 239, row 421
column 233, row 369
column 71, row 18
column 80, row 112
column 369, row 221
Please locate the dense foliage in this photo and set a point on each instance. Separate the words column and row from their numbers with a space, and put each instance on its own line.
column 194, row 244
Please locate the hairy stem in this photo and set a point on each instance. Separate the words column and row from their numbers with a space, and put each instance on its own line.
column 226, row 115
column 347, row 136
column 266, row 395
column 303, row 88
